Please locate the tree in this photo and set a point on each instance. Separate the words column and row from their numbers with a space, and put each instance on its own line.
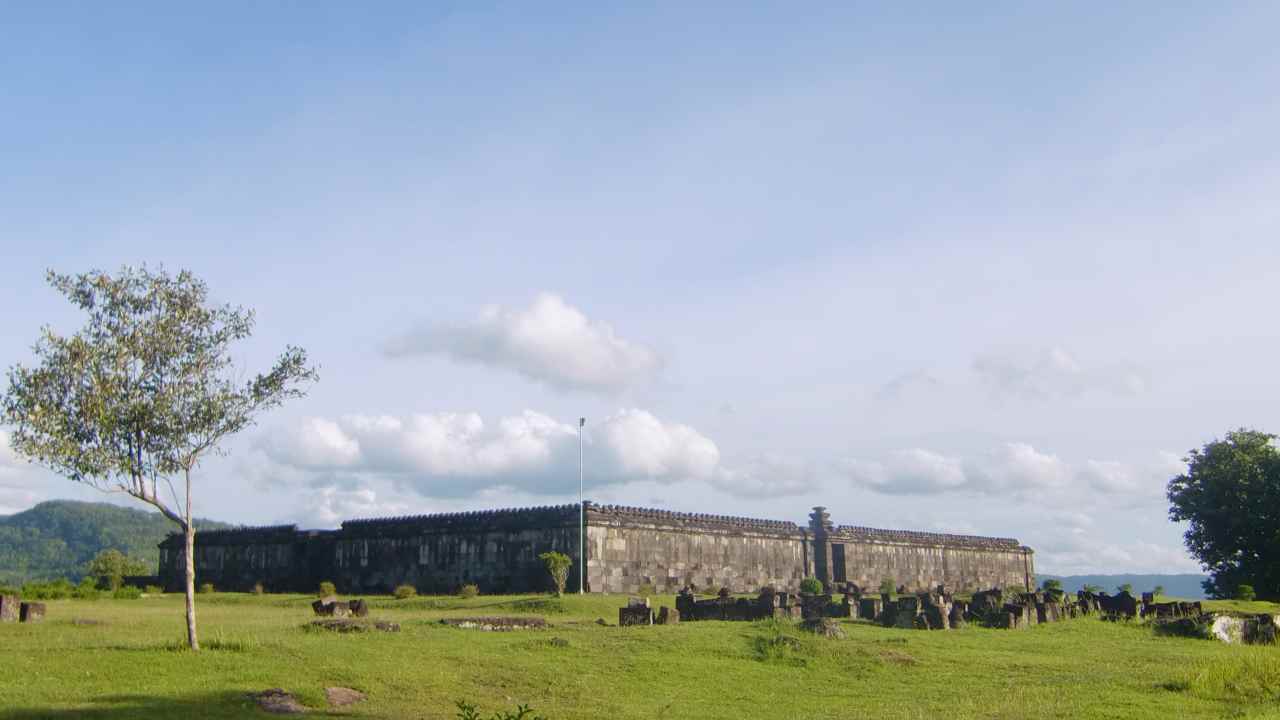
column 1051, row 584
column 144, row 392
column 887, row 586
column 1089, row 588
column 1245, row 593
column 1158, row 590
column 110, row 566
column 1125, row 588
column 1230, row 499
column 558, row 565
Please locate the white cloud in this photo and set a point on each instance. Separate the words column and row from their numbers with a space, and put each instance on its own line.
column 17, row 478
column 909, row 472
column 549, row 341
column 768, row 476
column 456, row 454
column 1052, row 373
column 1012, row 469
column 329, row 506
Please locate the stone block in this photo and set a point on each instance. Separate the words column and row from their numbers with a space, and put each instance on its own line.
column 668, row 616
column 870, row 608
column 32, row 612
column 635, row 616
column 9, row 608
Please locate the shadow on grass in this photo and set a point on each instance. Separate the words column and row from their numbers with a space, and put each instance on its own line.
column 226, row 704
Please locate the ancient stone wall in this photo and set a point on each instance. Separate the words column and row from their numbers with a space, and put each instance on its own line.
column 495, row 550
column 921, row 561
column 630, row 548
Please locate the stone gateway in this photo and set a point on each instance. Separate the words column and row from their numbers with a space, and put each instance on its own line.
column 628, row 550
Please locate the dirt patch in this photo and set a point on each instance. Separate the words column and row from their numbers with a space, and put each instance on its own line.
column 342, row 697
column 497, row 624
column 278, row 702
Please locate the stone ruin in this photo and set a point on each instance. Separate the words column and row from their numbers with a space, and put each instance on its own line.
column 12, row 609
column 332, row 607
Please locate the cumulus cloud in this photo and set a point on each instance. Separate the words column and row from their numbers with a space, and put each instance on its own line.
column 1053, row 372
column 549, row 341
column 1011, row 469
column 767, row 476
column 329, row 506
column 456, row 454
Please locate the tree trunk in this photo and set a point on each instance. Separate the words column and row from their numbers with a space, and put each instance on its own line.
column 190, row 531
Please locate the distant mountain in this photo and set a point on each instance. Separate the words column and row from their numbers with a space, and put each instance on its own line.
column 1181, row 586
column 56, row 538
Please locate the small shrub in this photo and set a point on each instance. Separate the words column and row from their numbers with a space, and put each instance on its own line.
column 467, row 711
column 258, row 589
column 126, row 592
column 205, row 589
column 87, row 590
column 59, row 589
column 1245, row 593
column 154, row 590
column 468, row 591
column 811, row 586
column 557, row 565
column 404, row 592
column 327, row 588
column 646, row 589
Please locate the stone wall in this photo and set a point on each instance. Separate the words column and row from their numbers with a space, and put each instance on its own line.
column 628, row 548
column 496, row 550
column 918, row 561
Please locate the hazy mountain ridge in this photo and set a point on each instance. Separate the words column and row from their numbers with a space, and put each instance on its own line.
column 56, row 538
column 1181, row 585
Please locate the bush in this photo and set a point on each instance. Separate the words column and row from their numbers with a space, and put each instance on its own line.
column 404, row 592
column 328, row 588
column 154, row 590
column 258, row 589
column 558, row 565
column 468, row 591
column 205, row 589
column 646, row 589
column 87, row 590
column 126, row 592
column 1051, row 584
column 811, row 586
column 59, row 589
column 1246, row 593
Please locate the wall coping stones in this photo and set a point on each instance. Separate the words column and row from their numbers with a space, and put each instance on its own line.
column 626, row 512
column 915, row 537
column 246, row 535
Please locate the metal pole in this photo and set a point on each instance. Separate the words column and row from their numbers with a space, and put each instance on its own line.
column 582, row 513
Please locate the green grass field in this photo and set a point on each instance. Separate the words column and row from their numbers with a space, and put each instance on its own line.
column 132, row 665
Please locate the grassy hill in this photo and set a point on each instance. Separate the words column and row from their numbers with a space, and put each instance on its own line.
column 55, row 539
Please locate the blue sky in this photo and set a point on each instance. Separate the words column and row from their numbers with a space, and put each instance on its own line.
column 989, row 271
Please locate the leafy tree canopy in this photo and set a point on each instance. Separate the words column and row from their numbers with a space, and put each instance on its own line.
column 1230, row 499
